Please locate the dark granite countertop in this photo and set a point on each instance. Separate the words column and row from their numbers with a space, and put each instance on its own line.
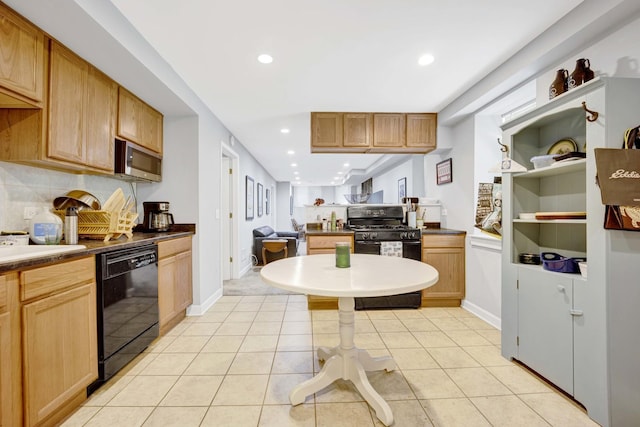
column 329, row 233
column 98, row 246
column 441, row 231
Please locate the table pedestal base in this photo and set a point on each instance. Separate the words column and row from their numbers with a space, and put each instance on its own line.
column 348, row 363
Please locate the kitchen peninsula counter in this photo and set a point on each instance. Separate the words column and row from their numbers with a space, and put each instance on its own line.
column 95, row 246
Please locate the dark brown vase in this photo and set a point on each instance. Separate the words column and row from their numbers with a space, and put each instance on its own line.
column 577, row 77
column 559, row 85
column 588, row 72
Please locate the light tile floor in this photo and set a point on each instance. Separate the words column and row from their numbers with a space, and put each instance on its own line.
column 235, row 365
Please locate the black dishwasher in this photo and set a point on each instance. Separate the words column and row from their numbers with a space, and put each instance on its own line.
column 127, row 298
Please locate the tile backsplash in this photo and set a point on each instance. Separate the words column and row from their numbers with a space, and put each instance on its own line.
column 25, row 186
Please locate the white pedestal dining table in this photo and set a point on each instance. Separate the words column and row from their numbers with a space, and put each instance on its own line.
column 368, row 276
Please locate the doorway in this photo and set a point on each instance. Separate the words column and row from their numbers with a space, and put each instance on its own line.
column 228, row 213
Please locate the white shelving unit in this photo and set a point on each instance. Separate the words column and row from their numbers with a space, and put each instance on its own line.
column 581, row 334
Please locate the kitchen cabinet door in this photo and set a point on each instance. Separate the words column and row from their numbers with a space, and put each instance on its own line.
column 446, row 254
column 421, row 131
column 101, row 108
column 82, row 112
column 184, row 287
column 175, row 287
column 357, row 130
column 138, row 122
column 10, row 372
column 326, row 130
column 389, row 130
column 325, row 244
column 151, row 129
column 68, row 81
column 545, row 325
column 60, row 356
column 22, row 61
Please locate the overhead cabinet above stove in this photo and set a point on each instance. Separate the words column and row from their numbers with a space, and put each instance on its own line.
column 399, row 133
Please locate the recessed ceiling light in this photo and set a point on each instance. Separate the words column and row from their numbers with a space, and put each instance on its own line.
column 296, row 172
column 265, row 59
column 340, row 173
column 425, row 59
column 291, row 152
column 293, row 165
column 346, row 165
column 284, row 130
column 297, row 177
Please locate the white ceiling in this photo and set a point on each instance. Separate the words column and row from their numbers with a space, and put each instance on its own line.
column 333, row 55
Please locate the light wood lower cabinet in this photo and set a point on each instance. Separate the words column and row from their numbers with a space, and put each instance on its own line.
column 446, row 253
column 59, row 338
column 325, row 244
column 175, row 289
column 10, row 363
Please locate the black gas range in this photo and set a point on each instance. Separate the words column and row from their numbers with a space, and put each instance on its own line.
column 379, row 230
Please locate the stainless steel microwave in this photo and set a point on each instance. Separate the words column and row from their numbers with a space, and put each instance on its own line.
column 136, row 163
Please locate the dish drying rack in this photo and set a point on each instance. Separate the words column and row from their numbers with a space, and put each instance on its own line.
column 112, row 221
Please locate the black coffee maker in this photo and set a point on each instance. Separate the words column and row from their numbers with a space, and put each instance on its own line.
column 156, row 217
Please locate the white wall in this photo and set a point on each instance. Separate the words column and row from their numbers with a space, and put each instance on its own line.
column 388, row 182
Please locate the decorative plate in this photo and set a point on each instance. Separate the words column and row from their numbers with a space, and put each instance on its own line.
column 564, row 146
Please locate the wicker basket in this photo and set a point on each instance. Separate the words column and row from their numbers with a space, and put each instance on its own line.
column 103, row 224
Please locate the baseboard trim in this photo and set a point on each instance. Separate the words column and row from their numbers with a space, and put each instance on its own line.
column 200, row 309
column 483, row 314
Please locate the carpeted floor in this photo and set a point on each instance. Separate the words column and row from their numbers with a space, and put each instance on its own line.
column 251, row 284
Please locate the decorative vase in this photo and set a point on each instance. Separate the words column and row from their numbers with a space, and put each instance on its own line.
column 577, row 77
column 559, row 85
column 588, row 72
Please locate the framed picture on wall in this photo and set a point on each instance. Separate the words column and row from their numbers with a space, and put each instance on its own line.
column 249, row 198
column 260, row 199
column 267, row 201
column 402, row 189
column 444, row 172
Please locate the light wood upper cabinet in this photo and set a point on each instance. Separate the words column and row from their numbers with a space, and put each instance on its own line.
column 326, row 130
column 82, row 112
column 68, row 83
column 357, row 130
column 389, row 130
column 22, row 61
column 421, row 130
column 138, row 122
column 446, row 254
column 373, row 132
column 100, row 120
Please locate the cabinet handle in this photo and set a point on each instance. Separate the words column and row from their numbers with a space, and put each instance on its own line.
column 561, row 288
column 576, row 312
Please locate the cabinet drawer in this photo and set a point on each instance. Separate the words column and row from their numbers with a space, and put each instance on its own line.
column 327, row 242
column 171, row 247
column 443, row 241
column 3, row 293
column 52, row 278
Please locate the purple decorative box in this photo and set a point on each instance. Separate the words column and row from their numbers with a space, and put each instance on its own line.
column 555, row 262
